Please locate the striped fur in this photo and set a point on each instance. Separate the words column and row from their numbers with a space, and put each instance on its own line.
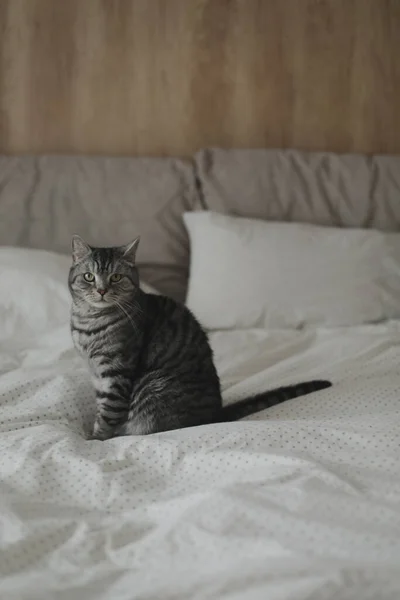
column 249, row 406
column 150, row 361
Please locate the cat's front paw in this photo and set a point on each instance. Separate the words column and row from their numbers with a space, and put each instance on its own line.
column 101, row 432
column 101, row 435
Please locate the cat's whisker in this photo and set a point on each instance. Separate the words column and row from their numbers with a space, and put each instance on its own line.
column 134, row 307
column 127, row 316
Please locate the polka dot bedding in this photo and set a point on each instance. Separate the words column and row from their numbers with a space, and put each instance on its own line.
column 298, row 502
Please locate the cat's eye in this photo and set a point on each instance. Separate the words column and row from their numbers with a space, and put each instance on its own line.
column 115, row 277
column 89, row 277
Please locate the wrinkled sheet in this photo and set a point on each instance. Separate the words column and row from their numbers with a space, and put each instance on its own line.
column 299, row 502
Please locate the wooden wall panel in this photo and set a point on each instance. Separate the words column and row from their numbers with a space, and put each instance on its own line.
column 166, row 77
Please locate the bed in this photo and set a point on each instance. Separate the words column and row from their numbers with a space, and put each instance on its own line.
column 301, row 501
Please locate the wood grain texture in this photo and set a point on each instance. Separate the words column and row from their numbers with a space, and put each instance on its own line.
column 167, row 77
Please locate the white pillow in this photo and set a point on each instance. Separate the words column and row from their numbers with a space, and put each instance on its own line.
column 34, row 292
column 34, row 295
column 247, row 273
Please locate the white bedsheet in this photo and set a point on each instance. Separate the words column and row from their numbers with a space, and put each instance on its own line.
column 302, row 502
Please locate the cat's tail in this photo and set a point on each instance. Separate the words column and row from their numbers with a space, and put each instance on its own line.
column 253, row 404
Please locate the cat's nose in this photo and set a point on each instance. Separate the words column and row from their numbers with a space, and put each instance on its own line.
column 101, row 292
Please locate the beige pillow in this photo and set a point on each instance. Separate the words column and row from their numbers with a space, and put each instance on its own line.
column 322, row 188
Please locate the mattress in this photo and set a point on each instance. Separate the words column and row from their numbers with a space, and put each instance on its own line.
column 298, row 502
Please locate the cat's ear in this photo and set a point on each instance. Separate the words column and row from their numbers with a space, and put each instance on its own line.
column 80, row 248
column 129, row 251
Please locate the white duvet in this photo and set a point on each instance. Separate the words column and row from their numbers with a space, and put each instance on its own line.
column 299, row 502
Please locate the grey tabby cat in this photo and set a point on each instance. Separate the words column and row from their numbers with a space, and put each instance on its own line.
column 150, row 361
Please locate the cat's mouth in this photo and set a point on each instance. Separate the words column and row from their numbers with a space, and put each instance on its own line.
column 101, row 302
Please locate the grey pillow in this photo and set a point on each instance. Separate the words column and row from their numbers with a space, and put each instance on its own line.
column 346, row 190
column 108, row 201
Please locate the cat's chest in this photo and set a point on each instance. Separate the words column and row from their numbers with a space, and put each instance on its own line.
column 79, row 343
column 91, row 336
column 98, row 356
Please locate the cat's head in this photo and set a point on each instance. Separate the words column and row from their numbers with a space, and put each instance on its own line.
column 103, row 277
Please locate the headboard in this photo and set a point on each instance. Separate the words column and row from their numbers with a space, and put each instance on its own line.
column 168, row 77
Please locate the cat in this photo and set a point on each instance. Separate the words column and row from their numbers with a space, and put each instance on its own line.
column 150, row 360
